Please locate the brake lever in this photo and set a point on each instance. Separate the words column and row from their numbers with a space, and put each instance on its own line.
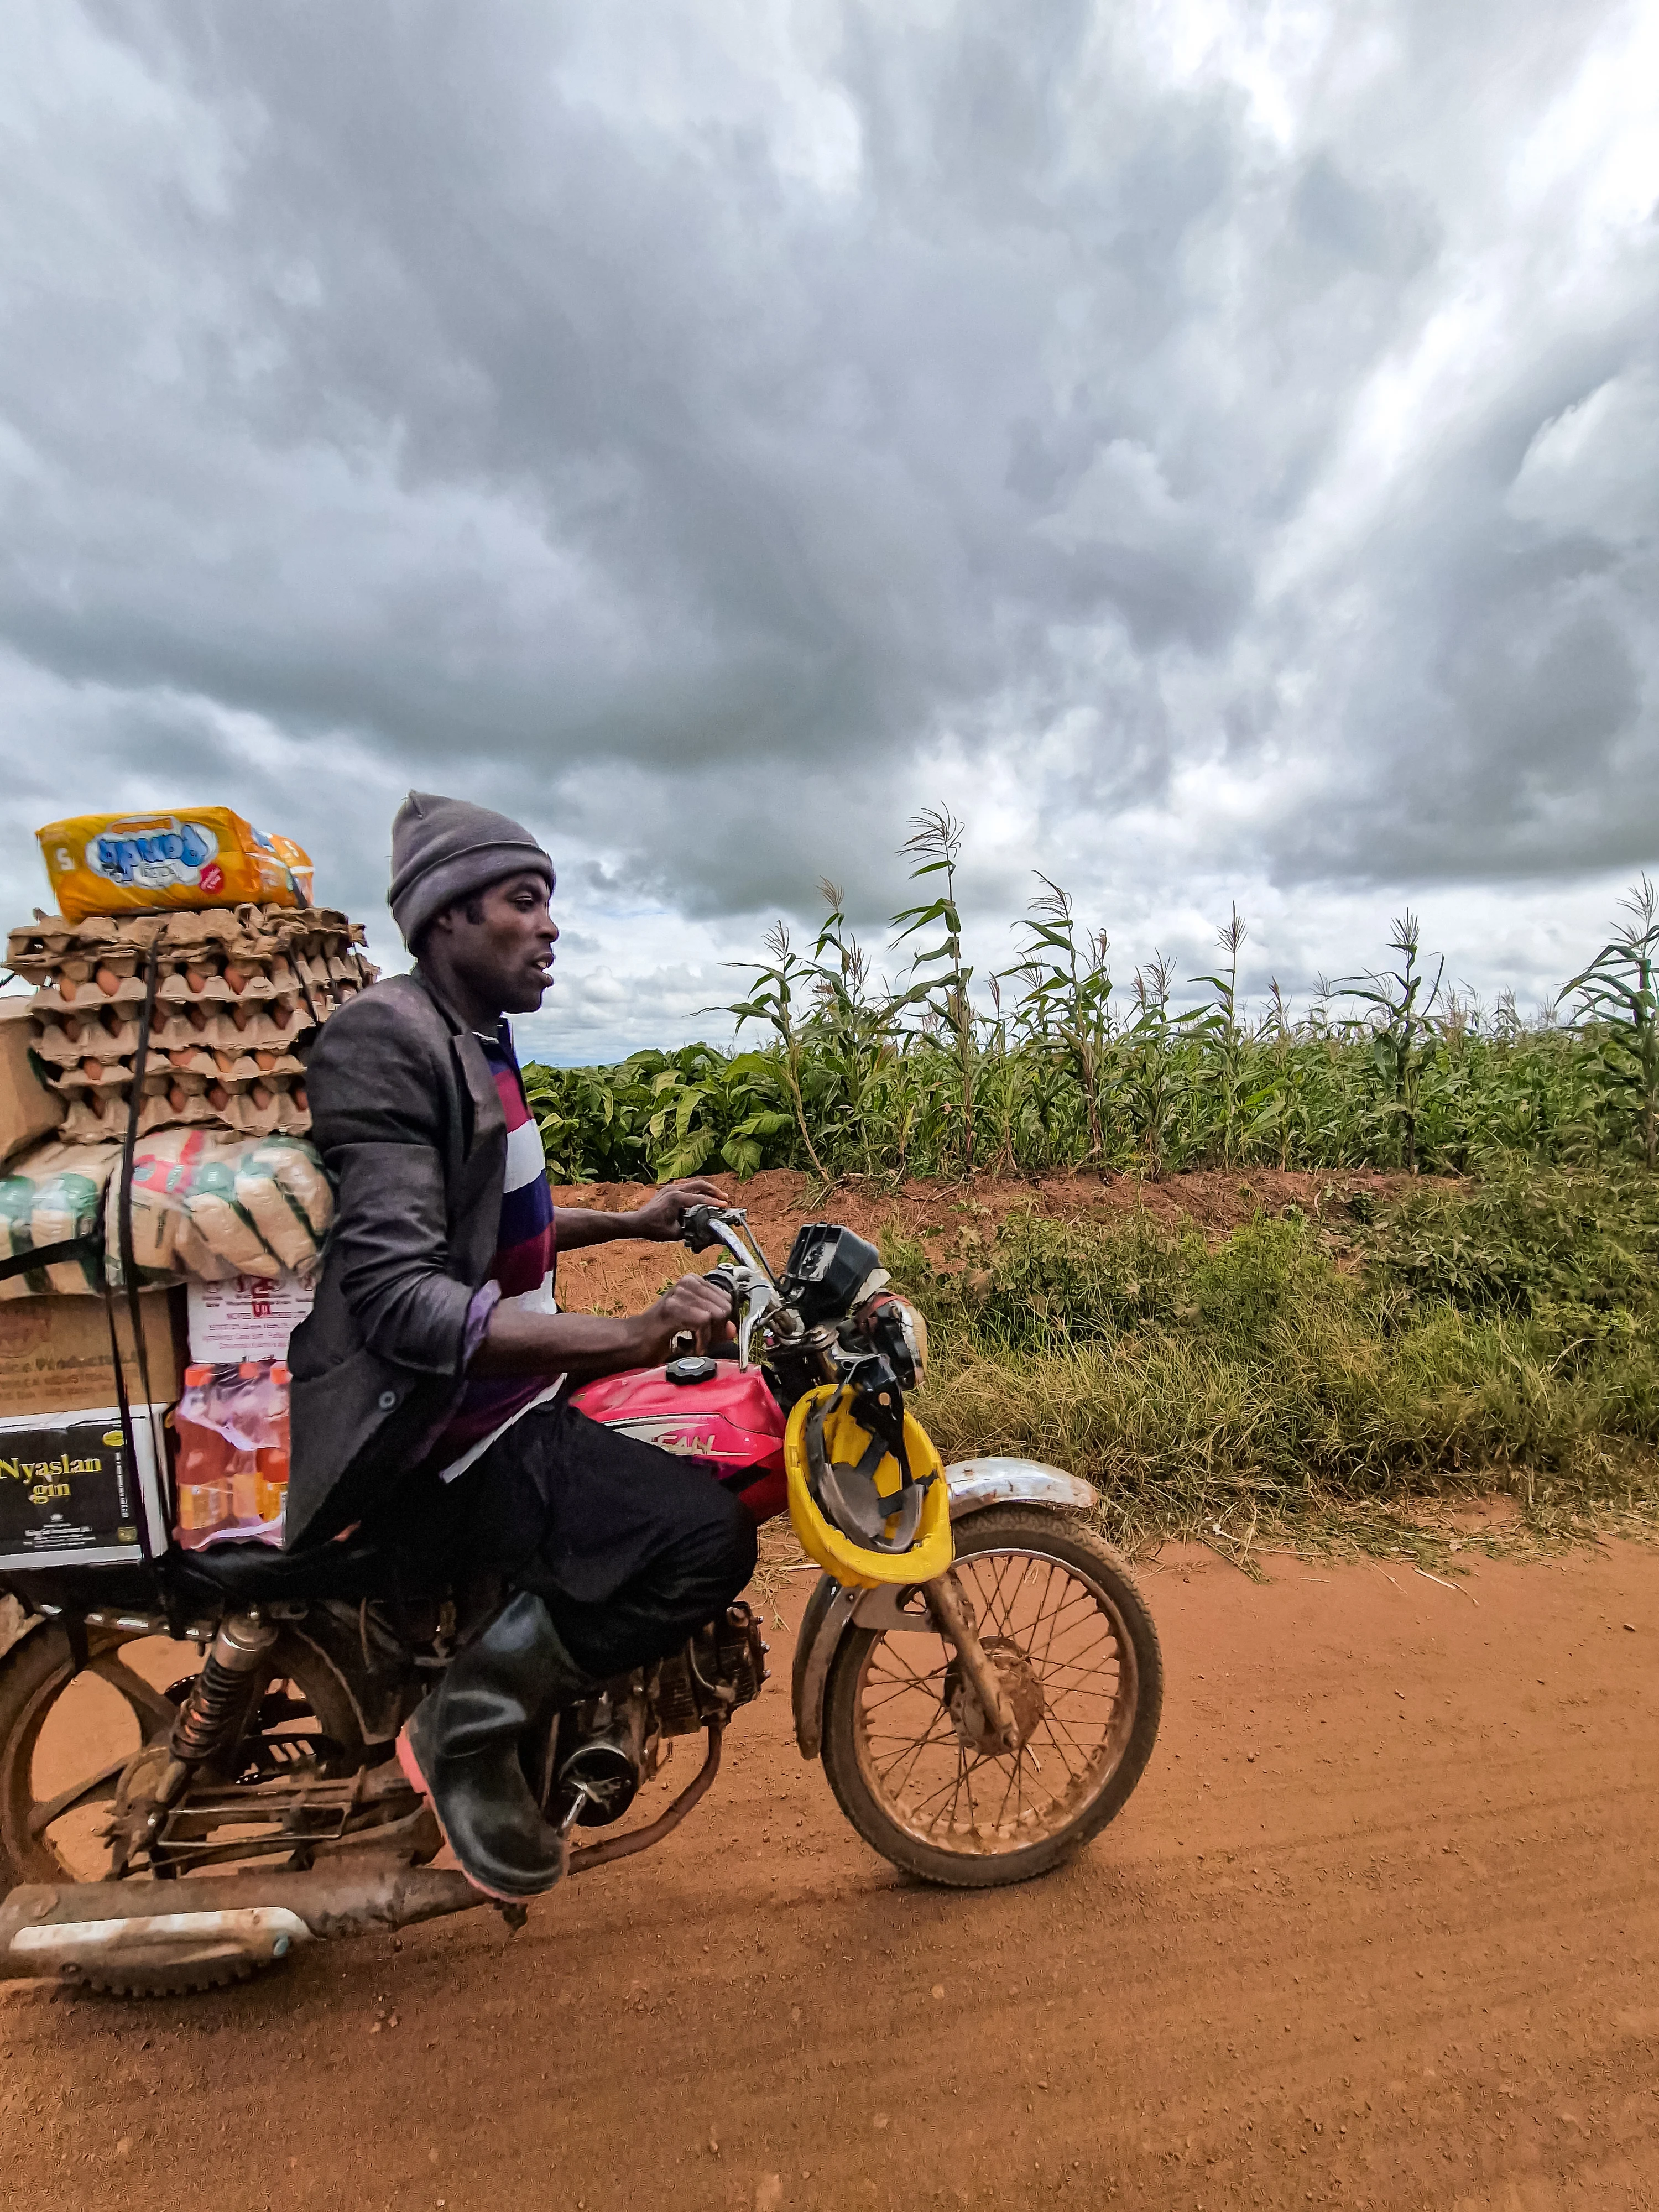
column 752, row 1298
column 761, row 1300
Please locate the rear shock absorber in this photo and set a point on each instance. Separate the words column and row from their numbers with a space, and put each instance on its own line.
column 211, row 1718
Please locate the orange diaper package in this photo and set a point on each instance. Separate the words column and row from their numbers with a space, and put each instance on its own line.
column 296, row 858
column 140, row 863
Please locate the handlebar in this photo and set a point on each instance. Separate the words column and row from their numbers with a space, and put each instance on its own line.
column 704, row 1226
column 696, row 1226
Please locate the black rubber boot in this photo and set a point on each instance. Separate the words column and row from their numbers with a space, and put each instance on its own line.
column 460, row 1748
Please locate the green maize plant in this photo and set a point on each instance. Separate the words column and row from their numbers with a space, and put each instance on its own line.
column 1224, row 1072
column 1616, row 993
column 773, row 1001
column 939, row 987
column 1065, row 1014
column 1402, row 1030
column 860, row 1076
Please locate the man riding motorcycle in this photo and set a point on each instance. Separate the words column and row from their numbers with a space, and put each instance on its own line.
column 428, row 1398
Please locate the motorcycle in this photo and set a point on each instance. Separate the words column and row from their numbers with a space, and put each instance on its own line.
column 977, row 1728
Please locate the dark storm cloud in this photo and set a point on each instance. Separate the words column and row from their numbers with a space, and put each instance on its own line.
column 706, row 429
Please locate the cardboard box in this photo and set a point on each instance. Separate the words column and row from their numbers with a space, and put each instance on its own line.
column 71, row 1488
column 27, row 1108
column 248, row 1318
column 55, row 1357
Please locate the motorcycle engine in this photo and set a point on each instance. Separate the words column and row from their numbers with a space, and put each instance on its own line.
column 722, row 1668
column 607, row 1746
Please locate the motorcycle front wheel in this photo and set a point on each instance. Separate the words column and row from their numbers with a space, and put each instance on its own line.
column 1061, row 1617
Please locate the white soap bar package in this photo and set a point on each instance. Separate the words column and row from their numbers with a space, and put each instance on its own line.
column 249, row 1317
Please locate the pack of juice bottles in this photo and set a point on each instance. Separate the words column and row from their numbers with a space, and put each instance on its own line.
column 232, row 1426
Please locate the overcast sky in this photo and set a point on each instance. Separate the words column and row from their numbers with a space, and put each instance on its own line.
column 1215, row 448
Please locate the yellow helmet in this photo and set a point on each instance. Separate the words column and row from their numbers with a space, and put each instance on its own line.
column 852, row 1505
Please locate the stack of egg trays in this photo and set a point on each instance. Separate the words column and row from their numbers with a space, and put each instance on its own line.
column 238, row 992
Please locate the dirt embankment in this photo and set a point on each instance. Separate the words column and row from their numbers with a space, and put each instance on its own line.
column 621, row 1277
column 1378, row 1928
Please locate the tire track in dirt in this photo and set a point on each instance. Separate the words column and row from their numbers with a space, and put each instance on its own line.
column 1378, row 1928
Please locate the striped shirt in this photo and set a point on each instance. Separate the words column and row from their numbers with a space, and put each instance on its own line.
column 523, row 1267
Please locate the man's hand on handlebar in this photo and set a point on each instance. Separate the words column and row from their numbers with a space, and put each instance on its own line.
column 518, row 1342
column 659, row 1219
column 694, row 1306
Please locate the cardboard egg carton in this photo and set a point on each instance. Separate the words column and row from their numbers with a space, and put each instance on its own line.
column 109, row 1033
column 223, row 956
column 274, row 1105
column 240, row 994
column 254, row 1093
column 90, row 1074
column 41, row 946
column 277, row 1024
column 188, row 1089
column 48, row 947
column 95, row 1118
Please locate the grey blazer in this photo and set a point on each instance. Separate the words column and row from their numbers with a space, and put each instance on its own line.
column 405, row 1114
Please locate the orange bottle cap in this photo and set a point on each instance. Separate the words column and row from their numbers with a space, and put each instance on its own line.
column 248, row 1369
column 279, row 1374
column 195, row 1377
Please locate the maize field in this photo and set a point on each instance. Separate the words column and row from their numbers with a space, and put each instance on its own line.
column 1050, row 1063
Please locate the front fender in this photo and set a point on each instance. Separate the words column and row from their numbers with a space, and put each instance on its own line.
column 832, row 1609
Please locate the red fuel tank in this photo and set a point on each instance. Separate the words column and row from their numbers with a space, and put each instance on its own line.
column 732, row 1422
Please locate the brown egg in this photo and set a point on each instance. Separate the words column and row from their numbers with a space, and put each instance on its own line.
column 93, row 1070
column 65, row 987
column 181, row 1059
column 72, row 1028
column 108, row 982
column 261, row 1096
column 235, row 977
column 265, row 1059
column 300, row 1097
column 176, row 1098
column 240, row 1016
column 218, row 1097
column 198, row 1017
column 194, row 979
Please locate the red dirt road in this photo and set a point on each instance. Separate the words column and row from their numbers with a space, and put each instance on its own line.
column 1378, row 1928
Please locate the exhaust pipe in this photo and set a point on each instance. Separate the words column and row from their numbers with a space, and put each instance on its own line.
column 114, row 1933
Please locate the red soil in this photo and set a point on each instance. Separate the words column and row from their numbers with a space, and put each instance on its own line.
column 1378, row 1928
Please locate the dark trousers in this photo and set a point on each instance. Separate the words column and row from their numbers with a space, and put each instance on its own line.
column 631, row 1548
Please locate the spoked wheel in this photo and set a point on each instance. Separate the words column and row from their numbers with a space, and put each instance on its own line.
column 66, row 1741
column 906, row 1747
column 75, row 1747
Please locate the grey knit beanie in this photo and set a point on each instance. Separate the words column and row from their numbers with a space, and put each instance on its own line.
column 445, row 850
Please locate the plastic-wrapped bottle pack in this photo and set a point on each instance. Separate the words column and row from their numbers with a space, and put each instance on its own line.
column 232, row 1426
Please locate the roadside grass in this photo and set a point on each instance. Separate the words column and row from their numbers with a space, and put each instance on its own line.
column 1319, row 1386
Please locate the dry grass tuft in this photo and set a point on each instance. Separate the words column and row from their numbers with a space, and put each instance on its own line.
column 1501, row 1340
